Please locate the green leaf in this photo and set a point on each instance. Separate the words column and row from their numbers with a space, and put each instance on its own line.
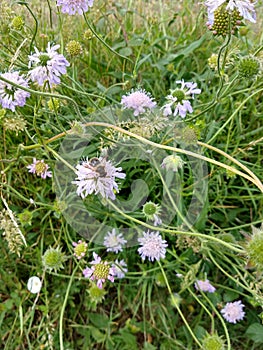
column 99, row 321
column 126, row 51
column 255, row 332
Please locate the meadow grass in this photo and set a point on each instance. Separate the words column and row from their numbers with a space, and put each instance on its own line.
column 200, row 175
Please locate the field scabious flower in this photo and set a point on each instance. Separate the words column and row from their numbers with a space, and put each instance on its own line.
column 40, row 168
column 47, row 66
column 204, row 286
column 11, row 96
column 72, row 7
column 244, row 7
column 120, row 268
column 138, row 100
column 80, row 249
column 97, row 179
column 152, row 246
column 100, row 271
column 114, row 242
column 233, row 312
column 178, row 100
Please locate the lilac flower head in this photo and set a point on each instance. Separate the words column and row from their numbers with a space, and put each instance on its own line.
column 138, row 100
column 114, row 242
column 233, row 312
column 80, row 249
column 99, row 271
column 152, row 246
column 120, row 268
column 47, row 66
column 178, row 100
column 204, row 286
column 97, row 176
column 40, row 168
column 11, row 96
column 244, row 7
column 72, row 7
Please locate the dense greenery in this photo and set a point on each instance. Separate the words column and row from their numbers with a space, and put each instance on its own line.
column 211, row 207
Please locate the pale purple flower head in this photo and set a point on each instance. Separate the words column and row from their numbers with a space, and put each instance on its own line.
column 47, row 66
column 204, row 286
column 100, row 271
column 138, row 100
column 97, row 176
column 120, row 268
column 152, row 246
column 233, row 312
column 178, row 100
column 80, row 249
column 72, row 7
column 11, row 96
column 114, row 242
column 40, row 168
column 246, row 8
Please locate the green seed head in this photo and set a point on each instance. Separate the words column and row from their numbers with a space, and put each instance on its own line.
column 179, row 94
column 149, row 209
column 17, row 23
column 254, row 247
column 74, row 48
column 225, row 22
column 25, row 217
column 248, row 67
column 53, row 259
column 96, row 294
column 213, row 342
column 44, row 58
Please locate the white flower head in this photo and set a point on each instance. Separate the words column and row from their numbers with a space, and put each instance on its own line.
column 233, row 312
column 97, row 176
column 47, row 66
column 34, row 285
column 114, row 242
column 138, row 100
column 152, row 246
column 178, row 100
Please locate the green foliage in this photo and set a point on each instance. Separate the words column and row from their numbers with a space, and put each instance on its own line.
column 210, row 201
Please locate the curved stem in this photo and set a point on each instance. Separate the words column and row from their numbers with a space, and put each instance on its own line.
column 178, row 308
column 175, row 232
column 102, row 41
column 233, row 114
column 36, row 22
column 63, row 309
